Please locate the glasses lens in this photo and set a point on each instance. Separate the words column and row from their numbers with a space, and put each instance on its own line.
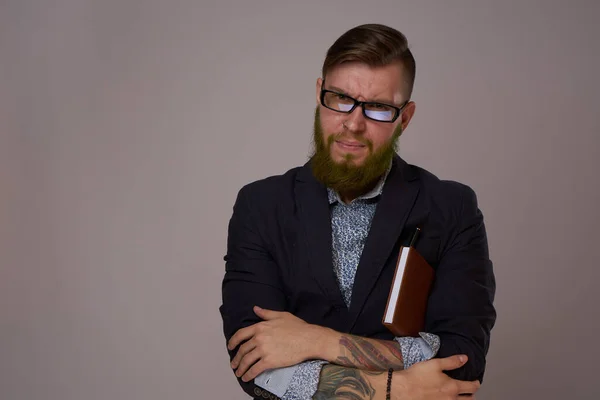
column 338, row 102
column 380, row 112
column 342, row 103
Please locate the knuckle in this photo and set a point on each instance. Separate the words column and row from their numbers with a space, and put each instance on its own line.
column 455, row 387
column 243, row 349
column 256, row 369
column 246, row 370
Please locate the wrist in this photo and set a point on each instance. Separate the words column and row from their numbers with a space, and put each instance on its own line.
column 400, row 386
column 326, row 343
column 378, row 382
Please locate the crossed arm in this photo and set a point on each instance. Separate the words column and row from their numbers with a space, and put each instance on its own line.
column 425, row 380
column 283, row 339
column 357, row 366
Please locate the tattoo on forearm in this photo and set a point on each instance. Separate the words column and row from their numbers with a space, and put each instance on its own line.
column 343, row 383
column 370, row 354
column 394, row 349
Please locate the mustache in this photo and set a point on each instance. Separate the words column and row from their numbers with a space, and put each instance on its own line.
column 345, row 137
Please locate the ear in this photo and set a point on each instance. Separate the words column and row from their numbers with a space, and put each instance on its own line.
column 319, row 85
column 407, row 114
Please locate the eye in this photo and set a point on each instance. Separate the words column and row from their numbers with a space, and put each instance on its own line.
column 378, row 107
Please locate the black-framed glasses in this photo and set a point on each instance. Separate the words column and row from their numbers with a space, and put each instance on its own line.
column 343, row 103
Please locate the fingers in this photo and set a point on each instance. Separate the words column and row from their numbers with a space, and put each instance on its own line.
column 247, row 361
column 240, row 336
column 452, row 362
column 242, row 351
column 465, row 387
column 255, row 371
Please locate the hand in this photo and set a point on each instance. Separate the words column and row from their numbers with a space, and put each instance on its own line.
column 427, row 381
column 281, row 340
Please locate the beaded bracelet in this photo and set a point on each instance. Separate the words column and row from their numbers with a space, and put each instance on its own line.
column 389, row 385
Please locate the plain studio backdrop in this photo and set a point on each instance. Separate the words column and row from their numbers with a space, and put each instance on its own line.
column 127, row 128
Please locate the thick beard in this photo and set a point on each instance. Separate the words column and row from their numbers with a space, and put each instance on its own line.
column 346, row 177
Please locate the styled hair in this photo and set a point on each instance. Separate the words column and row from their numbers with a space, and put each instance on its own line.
column 375, row 45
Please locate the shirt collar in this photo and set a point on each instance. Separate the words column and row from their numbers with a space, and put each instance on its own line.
column 334, row 196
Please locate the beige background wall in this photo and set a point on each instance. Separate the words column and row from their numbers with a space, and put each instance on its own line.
column 127, row 127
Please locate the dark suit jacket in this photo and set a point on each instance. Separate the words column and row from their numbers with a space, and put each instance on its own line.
column 279, row 257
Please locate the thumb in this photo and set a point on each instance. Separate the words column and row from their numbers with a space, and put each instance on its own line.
column 453, row 362
column 265, row 314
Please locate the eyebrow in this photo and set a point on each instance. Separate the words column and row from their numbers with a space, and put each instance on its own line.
column 342, row 91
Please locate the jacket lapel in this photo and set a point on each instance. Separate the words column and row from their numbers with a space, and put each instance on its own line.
column 397, row 199
column 314, row 211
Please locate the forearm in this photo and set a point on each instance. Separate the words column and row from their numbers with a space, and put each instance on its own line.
column 337, row 382
column 362, row 353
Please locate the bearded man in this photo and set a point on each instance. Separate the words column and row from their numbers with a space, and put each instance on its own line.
column 311, row 253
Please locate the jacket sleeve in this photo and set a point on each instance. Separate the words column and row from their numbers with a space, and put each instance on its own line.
column 251, row 277
column 460, row 308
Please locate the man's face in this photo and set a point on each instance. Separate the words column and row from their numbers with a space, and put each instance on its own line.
column 355, row 137
column 352, row 151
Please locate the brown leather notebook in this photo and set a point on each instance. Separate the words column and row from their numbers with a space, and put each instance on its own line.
column 407, row 302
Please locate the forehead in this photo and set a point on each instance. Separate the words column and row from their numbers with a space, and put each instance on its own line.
column 368, row 83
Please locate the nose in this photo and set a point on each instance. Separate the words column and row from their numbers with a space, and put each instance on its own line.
column 355, row 122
